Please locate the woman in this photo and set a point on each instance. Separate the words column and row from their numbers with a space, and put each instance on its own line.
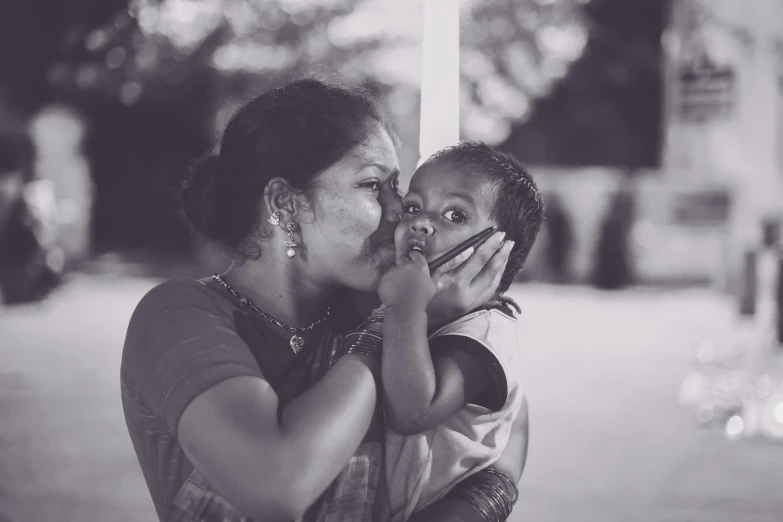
column 240, row 402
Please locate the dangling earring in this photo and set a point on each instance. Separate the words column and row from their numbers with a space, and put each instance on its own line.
column 274, row 219
column 291, row 243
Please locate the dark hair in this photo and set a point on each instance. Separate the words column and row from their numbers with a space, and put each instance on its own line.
column 518, row 209
column 294, row 132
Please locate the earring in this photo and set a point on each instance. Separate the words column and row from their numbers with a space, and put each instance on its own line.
column 274, row 219
column 291, row 243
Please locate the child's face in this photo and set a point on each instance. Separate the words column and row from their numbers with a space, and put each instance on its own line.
column 444, row 206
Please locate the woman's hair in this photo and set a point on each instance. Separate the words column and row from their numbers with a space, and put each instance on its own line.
column 294, row 132
column 518, row 209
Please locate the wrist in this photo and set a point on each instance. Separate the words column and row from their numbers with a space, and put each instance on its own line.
column 438, row 318
column 410, row 299
column 411, row 308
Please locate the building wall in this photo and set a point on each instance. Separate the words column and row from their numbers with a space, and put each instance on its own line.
column 665, row 246
column 724, row 125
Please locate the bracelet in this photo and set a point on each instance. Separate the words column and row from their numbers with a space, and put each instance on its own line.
column 364, row 338
column 489, row 503
column 367, row 340
column 360, row 350
column 364, row 343
column 507, row 480
column 490, row 506
column 486, row 514
column 486, row 495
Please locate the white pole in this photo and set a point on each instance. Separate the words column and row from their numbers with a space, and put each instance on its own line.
column 440, row 86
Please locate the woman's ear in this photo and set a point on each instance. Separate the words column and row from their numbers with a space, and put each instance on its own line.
column 292, row 203
column 280, row 195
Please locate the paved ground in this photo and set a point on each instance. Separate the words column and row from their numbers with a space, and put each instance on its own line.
column 609, row 441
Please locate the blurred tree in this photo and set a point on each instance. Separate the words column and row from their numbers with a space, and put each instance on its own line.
column 608, row 109
column 33, row 35
column 157, row 79
column 512, row 51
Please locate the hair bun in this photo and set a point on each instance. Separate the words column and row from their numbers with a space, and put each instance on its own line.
column 198, row 198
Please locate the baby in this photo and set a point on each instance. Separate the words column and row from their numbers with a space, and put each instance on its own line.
column 450, row 396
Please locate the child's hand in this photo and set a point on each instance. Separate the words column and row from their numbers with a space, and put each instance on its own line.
column 408, row 282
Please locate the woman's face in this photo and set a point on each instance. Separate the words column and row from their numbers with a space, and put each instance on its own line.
column 350, row 243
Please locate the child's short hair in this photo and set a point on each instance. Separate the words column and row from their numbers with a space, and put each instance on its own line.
column 518, row 209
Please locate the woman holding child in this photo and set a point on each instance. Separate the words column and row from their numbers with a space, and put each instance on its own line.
column 259, row 394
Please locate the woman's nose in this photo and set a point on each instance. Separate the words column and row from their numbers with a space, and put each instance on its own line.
column 423, row 227
column 391, row 202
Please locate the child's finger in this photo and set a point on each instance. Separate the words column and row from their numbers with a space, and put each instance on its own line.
column 417, row 258
column 454, row 263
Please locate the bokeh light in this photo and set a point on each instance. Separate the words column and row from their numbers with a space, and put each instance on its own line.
column 772, row 417
column 735, row 427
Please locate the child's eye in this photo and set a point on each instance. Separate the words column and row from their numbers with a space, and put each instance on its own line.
column 455, row 216
column 373, row 185
column 412, row 208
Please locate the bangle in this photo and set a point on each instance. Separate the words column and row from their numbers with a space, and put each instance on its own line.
column 486, row 495
column 364, row 343
column 507, row 480
column 359, row 350
column 367, row 339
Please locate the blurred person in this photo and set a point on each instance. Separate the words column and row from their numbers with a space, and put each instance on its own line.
column 58, row 133
column 243, row 397
column 559, row 240
column 14, row 173
column 28, row 250
column 613, row 263
column 769, row 285
column 779, row 299
column 450, row 397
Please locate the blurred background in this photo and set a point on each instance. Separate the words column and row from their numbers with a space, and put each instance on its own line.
column 651, row 302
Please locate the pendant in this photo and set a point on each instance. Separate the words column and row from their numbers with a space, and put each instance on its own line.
column 297, row 343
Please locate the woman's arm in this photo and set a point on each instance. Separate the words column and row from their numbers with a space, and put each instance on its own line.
column 271, row 466
column 512, row 461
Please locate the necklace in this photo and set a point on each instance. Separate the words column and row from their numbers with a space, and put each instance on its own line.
column 296, row 342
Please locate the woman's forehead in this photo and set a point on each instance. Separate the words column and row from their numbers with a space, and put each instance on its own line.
column 374, row 156
column 377, row 147
column 377, row 150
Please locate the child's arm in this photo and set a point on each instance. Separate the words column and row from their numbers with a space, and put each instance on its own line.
column 420, row 393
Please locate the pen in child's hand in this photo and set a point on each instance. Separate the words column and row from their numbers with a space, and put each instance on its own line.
column 473, row 241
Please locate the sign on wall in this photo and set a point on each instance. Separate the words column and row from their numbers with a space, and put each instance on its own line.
column 707, row 92
column 709, row 207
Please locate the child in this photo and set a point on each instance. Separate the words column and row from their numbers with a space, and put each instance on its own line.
column 450, row 397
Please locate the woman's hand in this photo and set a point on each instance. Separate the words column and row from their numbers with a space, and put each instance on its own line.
column 469, row 280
